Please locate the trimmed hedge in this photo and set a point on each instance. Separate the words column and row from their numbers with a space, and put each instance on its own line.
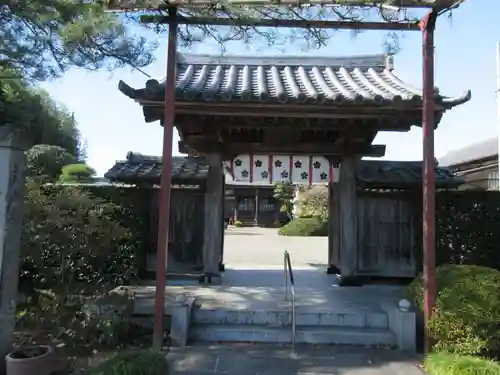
column 467, row 228
column 467, row 316
column 101, row 231
column 305, row 227
column 452, row 364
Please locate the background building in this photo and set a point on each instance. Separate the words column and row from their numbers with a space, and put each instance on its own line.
column 476, row 164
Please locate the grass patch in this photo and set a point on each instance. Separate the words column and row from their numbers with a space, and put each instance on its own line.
column 452, row 364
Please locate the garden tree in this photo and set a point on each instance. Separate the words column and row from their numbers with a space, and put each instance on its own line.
column 314, row 202
column 284, row 193
column 82, row 152
column 77, row 173
column 38, row 118
column 41, row 39
column 47, row 161
column 33, row 117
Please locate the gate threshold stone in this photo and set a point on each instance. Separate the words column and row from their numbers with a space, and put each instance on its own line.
column 248, row 359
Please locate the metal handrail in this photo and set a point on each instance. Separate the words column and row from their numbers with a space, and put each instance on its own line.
column 289, row 275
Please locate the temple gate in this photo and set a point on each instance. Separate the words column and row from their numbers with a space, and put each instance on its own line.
column 327, row 109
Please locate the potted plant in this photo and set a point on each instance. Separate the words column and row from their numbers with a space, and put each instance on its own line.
column 38, row 359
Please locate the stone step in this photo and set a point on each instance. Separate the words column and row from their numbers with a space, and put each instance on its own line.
column 304, row 335
column 284, row 318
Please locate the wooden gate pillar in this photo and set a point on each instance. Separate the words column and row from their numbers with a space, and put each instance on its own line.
column 348, row 217
column 333, row 229
column 214, row 216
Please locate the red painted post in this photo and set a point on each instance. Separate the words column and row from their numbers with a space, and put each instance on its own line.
column 165, row 187
column 427, row 26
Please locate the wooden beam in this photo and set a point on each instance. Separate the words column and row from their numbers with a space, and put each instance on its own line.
column 342, row 110
column 187, row 123
column 122, row 5
column 206, row 146
column 286, row 23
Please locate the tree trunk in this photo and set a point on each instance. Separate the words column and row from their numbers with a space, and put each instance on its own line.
column 12, row 168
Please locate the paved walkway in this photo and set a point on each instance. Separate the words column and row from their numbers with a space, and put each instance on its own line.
column 248, row 359
column 254, row 259
column 262, row 247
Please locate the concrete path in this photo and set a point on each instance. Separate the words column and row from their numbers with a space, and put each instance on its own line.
column 248, row 359
column 254, row 263
column 252, row 248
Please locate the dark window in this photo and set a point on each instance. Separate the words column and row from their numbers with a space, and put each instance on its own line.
column 267, row 205
column 246, row 204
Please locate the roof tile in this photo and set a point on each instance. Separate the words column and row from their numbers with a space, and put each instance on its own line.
column 393, row 174
column 364, row 79
column 473, row 152
column 138, row 168
column 148, row 169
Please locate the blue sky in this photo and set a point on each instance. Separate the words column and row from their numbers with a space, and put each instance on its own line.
column 113, row 124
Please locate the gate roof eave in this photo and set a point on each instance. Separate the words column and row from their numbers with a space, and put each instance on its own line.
column 326, row 83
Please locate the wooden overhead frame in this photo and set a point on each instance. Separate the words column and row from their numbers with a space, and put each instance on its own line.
column 173, row 17
column 142, row 5
column 228, row 5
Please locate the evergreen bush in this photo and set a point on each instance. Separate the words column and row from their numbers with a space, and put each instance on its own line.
column 467, row 316
column 452, row 364
column 305, row 227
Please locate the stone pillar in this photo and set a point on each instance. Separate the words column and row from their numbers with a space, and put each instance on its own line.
column 348, row 217
column 12, row 170
column 214, row 216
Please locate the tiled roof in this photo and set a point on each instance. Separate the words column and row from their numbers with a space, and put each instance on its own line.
column 477, row 151
column 140, row 168
column 302, row 80
column 393, row 174
column 148, row 169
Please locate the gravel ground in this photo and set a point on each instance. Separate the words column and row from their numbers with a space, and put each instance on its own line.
column 262, row 247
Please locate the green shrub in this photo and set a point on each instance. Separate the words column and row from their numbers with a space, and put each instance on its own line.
column 140, row 362
column 305, row 227
column 77, row 173
column 47, row 161
column 467, row 315
column 73, row 239
column 452, row 364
